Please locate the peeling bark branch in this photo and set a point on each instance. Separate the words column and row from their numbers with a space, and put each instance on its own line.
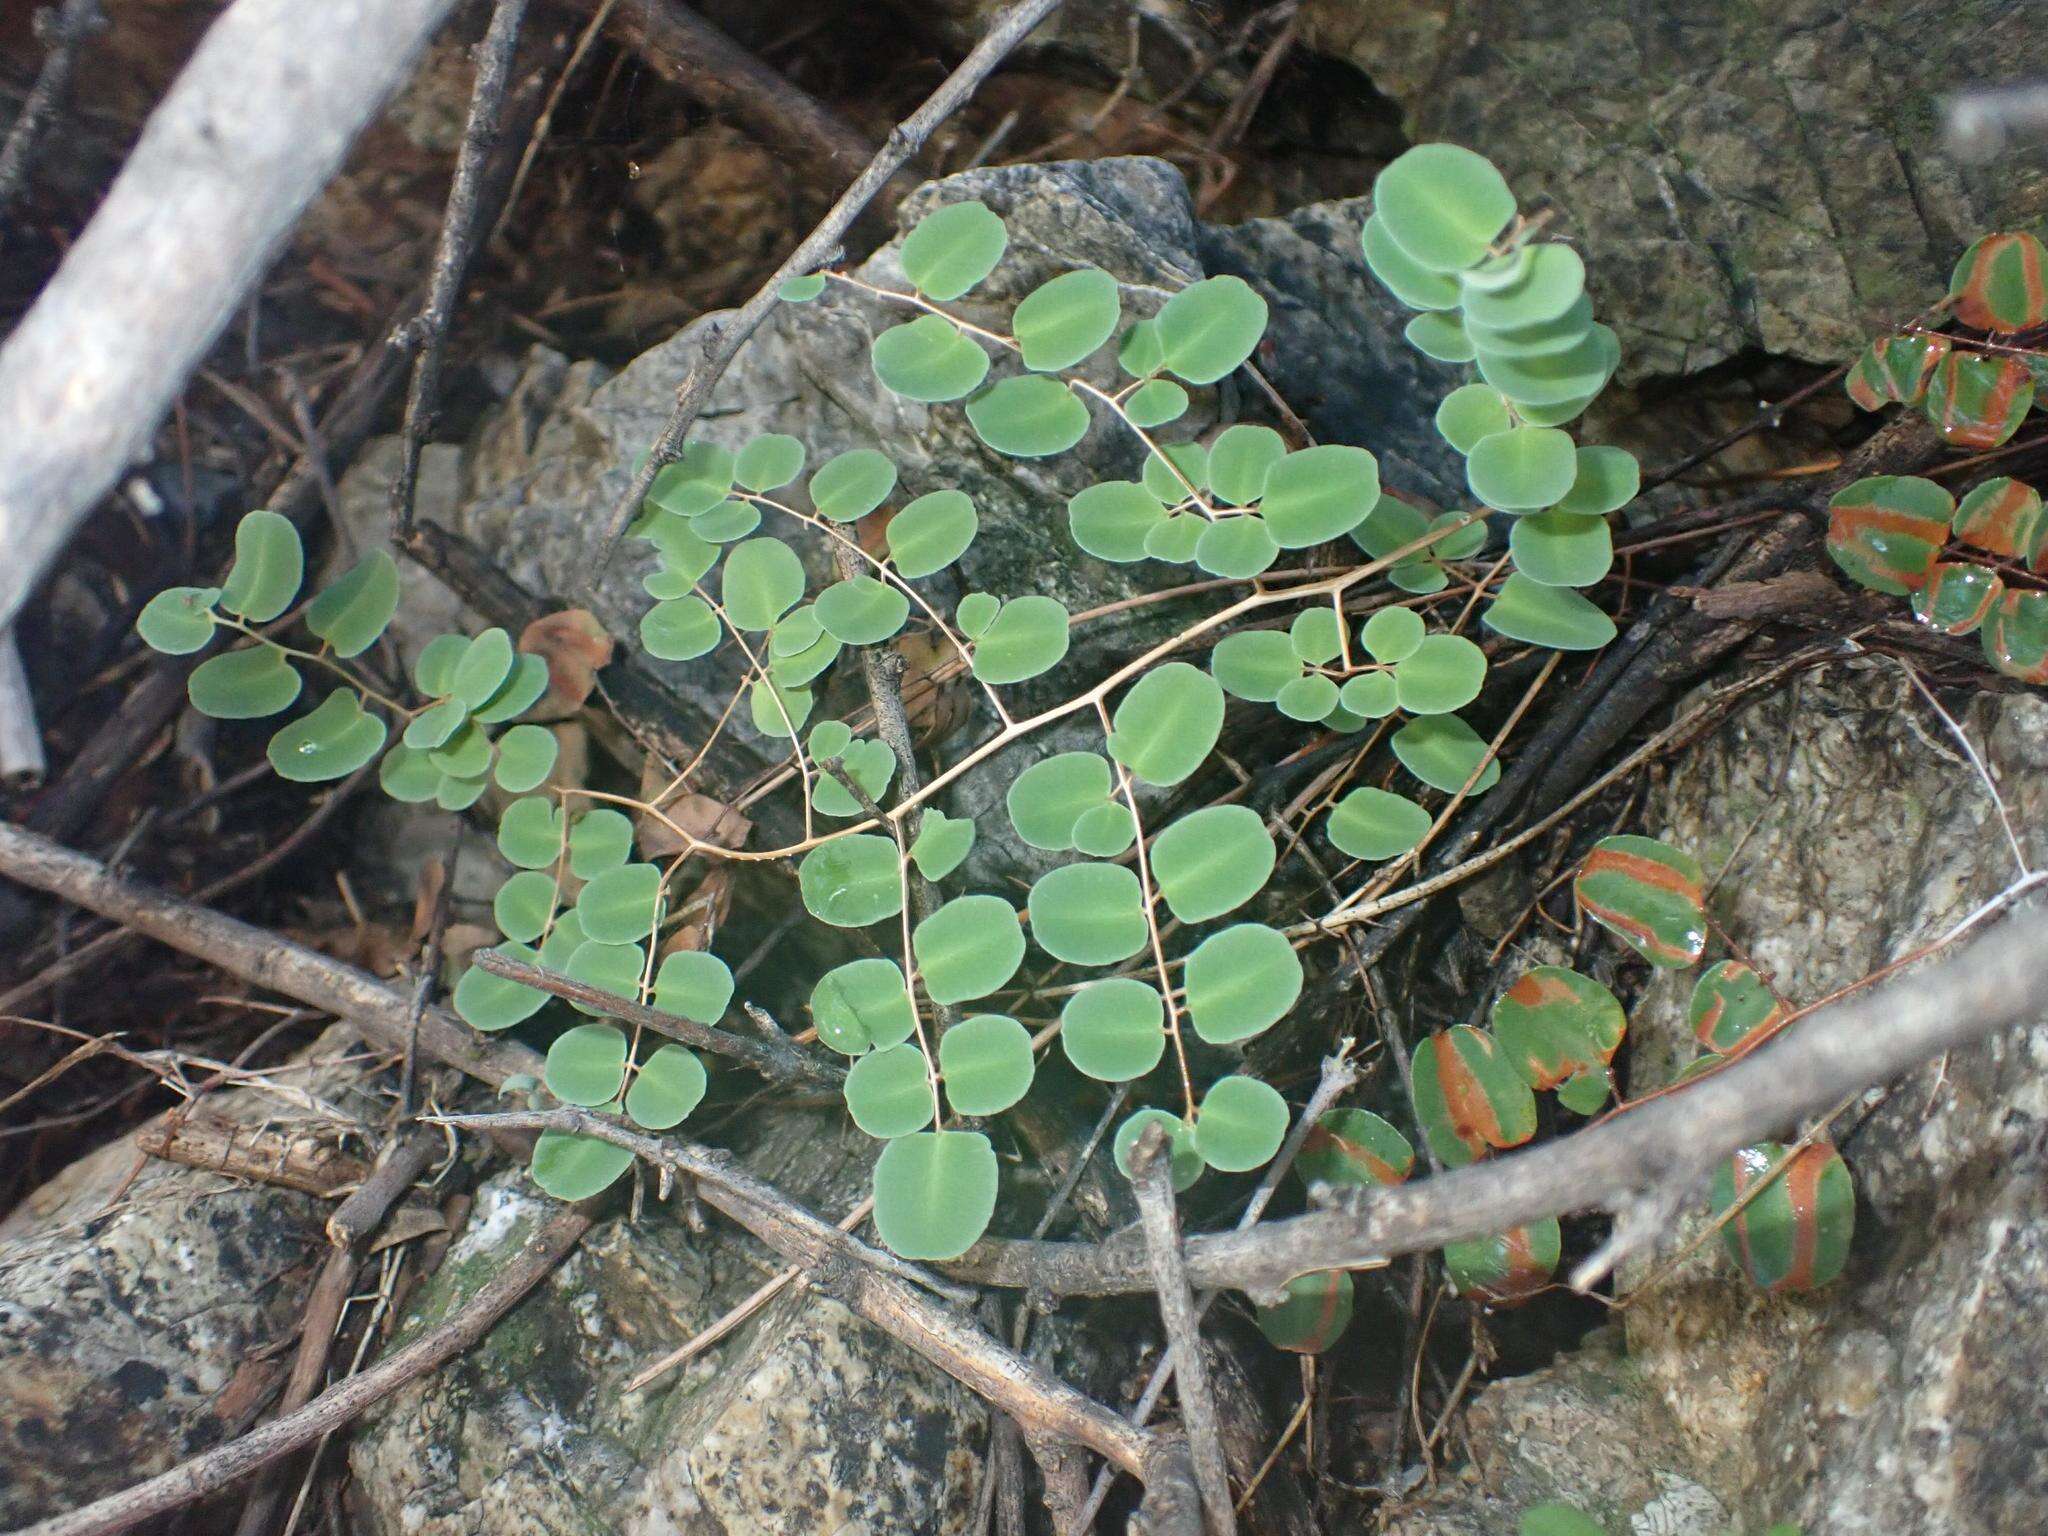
column 1672, row 1142
column 253, row 128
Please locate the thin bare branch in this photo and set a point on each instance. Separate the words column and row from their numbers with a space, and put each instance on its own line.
column 723, row 339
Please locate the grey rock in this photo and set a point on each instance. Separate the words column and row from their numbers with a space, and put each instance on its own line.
column 139, row 1302
column 804, row 1420
column 1909, row 1395
column 1736, row 176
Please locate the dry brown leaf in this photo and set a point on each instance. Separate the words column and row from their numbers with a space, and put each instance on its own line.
column 703, row 817
column 935, row 708
column 575, row 647
column 703, row 912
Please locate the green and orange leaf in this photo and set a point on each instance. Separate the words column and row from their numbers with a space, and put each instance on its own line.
column 1468, row 1096
column 1977, row 401
column 1314, row 1315
column 1886, row 530
column 1648, row 893
column 1958, row 596
column 2015, row 636
column 1731, row 1004
column 1794, row 1232
column 1508, row 1267
column 1354, row 1146
column 1998, row 286
column 1555, row 1024
column 2003, row 517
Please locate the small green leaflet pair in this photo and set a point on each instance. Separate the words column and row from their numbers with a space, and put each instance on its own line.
column 1892, row 534
column 447, row 753
column 1444, row 237
column 1230, row 507
column 1310, row 672
column 1976, row 398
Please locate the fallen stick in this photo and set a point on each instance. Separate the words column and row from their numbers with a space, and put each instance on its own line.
column 216, row 1469
column 1152, row 1172
column 254, row 126
column 719, row 74
column 1635, row 1163
column 724, row 337
column 782, row 1063
column 460, row 227
column 1667, row 1144
column 259, row 956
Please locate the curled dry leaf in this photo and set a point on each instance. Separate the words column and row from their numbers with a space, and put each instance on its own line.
column 937, row 698
column 702, row 912
column 575, row 647
column 703, row 817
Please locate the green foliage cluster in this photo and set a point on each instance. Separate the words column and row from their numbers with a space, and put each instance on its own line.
column 1157, row 918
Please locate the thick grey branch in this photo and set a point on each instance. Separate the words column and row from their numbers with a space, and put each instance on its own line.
column 1865, row 1039
column 253, row 128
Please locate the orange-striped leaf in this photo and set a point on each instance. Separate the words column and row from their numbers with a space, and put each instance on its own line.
column 1354, row 1146
column 1885, row 530
column 1957, row 596
column 2015, row 636
column 1731, row 1003
column 1555, row 1024
column 1997, row 286
column 1648, row 893
column 1794, row 1235
column 1978, row 401
column 1468, row 1098
column 1866, row 382
column 1508, row 1267
column 1314, row 1315
column 2003, row 517
column 1908, row 362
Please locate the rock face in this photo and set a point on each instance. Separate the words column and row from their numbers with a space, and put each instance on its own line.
column 1910, row 1395
column 1736, row 175
column 136, row 1318
column 803, row 1420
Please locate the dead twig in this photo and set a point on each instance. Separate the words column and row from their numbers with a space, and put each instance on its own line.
column 1640, row 1160
column 1152, row 1174
column 259, row 956
column 66, row 28
column 460, row 228
column 723, row 338
column 721, row 75
column 782, row 1063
